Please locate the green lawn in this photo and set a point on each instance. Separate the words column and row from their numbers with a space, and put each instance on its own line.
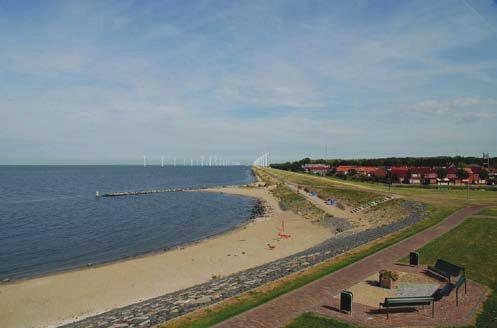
column 473, row 245
column 491, row 211
column 309, row 320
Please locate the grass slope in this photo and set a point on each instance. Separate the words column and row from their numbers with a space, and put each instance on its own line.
column 491, row 211
column 292, row 200
column 309, row 320
column 326, row 188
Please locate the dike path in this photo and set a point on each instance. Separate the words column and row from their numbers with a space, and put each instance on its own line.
column 282, row 310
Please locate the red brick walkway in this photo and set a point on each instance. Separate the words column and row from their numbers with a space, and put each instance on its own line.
column 284, row 309
column 446, row 311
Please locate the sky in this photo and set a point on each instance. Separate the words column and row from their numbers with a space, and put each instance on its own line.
column 107, row 82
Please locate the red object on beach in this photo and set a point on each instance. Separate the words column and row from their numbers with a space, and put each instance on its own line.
column 282, row 233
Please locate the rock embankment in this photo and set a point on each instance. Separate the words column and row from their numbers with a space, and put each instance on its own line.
column 160, row 309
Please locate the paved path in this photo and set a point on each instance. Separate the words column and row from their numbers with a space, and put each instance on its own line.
column 284, row 309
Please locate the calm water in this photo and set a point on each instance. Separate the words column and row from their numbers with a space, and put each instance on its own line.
column 50, row 219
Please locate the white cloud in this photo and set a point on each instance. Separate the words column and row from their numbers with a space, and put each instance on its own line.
column 460, row 109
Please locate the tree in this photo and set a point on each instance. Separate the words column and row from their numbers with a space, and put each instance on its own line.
column 483, row 174
column 392, row 177
column 441, row 173
column 462, row 174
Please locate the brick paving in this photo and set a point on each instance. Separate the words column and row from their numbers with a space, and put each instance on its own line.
column 314, row 295
column 446, row 311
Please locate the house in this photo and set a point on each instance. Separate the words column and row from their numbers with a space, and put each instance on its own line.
column 380, row 172
column 345, row 169
column 418, row 174
column 473, row 174
column 451, row 173
column 443, row 182
column 431, row 176
column 320, row 169
column 366, row 170
column 492, row 176
column 423, row 175
column 401, row 172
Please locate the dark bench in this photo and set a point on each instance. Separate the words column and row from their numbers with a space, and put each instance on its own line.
column 443, row 292
column 447, row 289
column 391, row 302
column 461, row 281
column 446, row 269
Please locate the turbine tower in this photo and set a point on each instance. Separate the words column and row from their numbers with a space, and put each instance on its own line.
column 262, row 160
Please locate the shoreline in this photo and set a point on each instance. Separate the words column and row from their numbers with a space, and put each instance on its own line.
column 180, row 246
column 170, row 306
column 68, row 296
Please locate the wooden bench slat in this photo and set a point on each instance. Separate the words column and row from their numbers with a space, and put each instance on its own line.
column 407, row 302
column 460, row 282
column 446, row 269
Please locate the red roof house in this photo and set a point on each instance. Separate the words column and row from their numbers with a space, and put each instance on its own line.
column 401, row 172
column 345, row 169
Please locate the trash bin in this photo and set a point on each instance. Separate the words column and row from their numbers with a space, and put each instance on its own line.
column 346, row 301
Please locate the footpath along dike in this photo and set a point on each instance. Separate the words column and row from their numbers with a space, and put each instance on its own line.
column 163, row 308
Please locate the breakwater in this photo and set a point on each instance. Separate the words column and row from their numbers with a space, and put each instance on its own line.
column 155, row 191
column 142, row 192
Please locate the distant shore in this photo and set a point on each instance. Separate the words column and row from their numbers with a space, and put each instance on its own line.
column 63, row 297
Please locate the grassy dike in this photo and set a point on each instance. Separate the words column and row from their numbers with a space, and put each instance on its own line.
column 291, row 200
column 230, row 308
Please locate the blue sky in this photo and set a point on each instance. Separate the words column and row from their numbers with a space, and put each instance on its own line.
column 107, row 82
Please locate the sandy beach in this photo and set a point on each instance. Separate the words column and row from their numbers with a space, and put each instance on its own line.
column 60, row 298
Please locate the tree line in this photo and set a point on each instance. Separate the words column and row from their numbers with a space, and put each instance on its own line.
column 439, row 161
